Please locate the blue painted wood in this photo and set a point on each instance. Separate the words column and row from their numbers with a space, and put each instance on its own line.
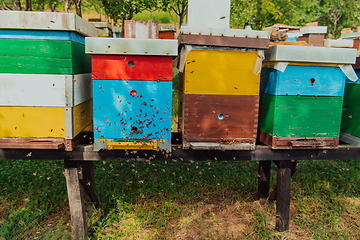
column 116, row 111
column 357, row 71
column 42, row 35
column 303, row 80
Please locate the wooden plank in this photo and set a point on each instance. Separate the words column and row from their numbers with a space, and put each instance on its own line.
column 304, row 81
column 141, row 29
column 220, row 72
column 264, row 181
column 76, row 200
column 46, row 21
column 154, row 68
column 218, row 118
column 225, row 32
column 20, row 143
column 82, row 116
column 32, row 122
column 32, row 90
column 237, row 144
column 85, row 152
column 131, row 46
column 82, row 84
column 42, row 35
column 43, row 57
column 145, row 115
column 283, row 195
column 222, row 41
column 299, row 143
column 88, row 181
column 300, row 116
column 351, row 112
column 289, row 53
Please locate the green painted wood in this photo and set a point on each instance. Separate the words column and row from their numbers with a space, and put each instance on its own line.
column 350, row 122
column 300, row 116
column 43, row 57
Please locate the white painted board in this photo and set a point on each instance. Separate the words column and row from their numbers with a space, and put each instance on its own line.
column 131, row 46
column 41, row 90
column 338, row 43
column 209, row 13
column 354, row 35
column 226, row 32
column 314, row 30
column 46, row 21
column 289, row 53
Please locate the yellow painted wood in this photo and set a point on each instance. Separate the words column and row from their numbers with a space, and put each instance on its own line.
column 220, row 72
column 32, row 122
column 82, row 116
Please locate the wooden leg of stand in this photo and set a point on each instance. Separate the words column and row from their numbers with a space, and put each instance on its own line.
column 283, row 195
column 264, row 181
column 88, row 181
column 76, row 199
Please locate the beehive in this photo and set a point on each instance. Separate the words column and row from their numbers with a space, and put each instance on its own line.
column 302, row 91
column 350, row 130
column 220, row 86
column 132, row 92
column 45, row 79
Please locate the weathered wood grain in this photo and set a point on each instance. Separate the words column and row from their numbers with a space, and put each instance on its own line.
column 118, row 67
column 141, row 29
column 299, row 143
column 76, row 200
column 202, row 116
column 283, row 195
column 241, row 42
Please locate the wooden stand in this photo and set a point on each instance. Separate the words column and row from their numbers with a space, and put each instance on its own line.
column 75, row 177
column 264, row 181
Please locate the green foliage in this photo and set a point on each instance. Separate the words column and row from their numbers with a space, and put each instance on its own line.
column 336, row 14
column 160, row 16
column 125, row 9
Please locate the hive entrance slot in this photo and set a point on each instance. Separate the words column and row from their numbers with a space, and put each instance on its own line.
column 312, row 81
column 221, row 116
column 131, row 63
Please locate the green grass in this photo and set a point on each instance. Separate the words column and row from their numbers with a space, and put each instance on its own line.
column 180, row 199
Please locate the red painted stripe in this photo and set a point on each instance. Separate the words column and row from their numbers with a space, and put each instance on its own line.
column 153, row 68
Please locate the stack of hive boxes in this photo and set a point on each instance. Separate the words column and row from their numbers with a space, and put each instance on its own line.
column 220, row 78
column 45, row 80
column 302, row 89
column 132, row 90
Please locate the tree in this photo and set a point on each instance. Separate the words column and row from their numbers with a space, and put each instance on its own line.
column 179, row 7
column 126, row 9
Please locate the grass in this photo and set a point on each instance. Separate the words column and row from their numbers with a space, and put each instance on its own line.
column 180, row 200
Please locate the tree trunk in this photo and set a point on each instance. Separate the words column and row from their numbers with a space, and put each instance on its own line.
column 28, row 5
column 77, row 4
column 183, row 12
column 67, row 5
column 17, row 5
column 4, row 6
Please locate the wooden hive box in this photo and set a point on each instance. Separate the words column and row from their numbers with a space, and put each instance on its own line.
column 220, row 83
column 302, row 91
column 132, row 92
column 350, row 130
column 45, row 80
